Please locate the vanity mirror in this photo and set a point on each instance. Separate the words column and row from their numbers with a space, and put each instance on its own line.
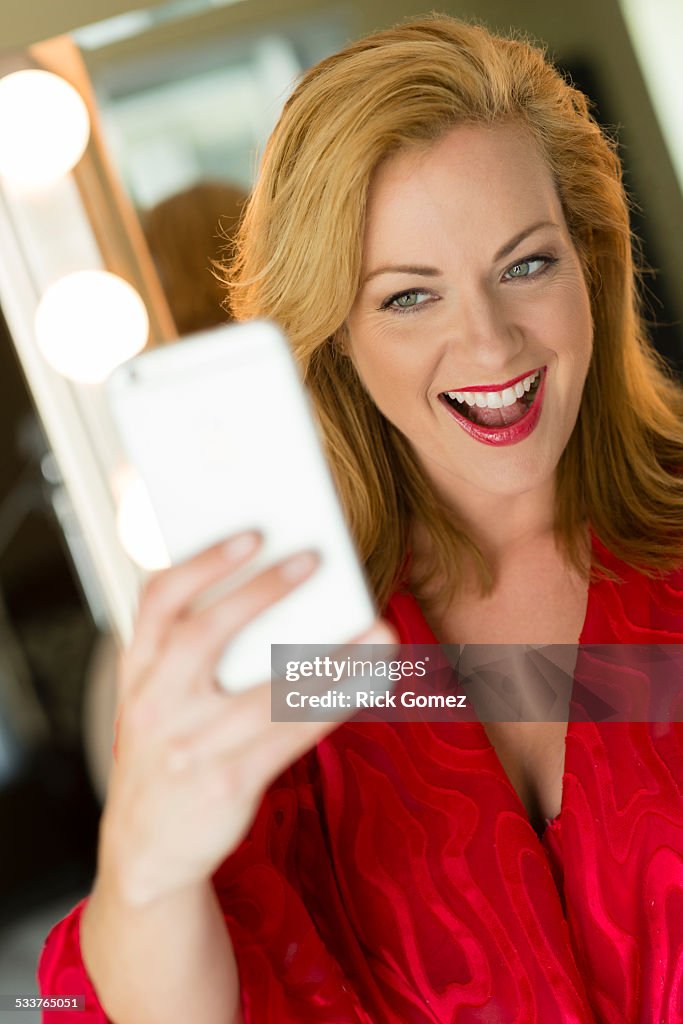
column 169, row 105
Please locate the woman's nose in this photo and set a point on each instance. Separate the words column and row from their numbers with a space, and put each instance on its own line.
column 482, row 328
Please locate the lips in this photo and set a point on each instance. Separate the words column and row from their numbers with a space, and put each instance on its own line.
column 501, row 407
column 499, row 425
column 502, row 387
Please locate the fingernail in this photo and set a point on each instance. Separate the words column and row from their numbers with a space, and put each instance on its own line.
column 242, row 545
column 299, row 566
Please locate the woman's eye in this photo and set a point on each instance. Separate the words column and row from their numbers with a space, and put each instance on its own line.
column 406, row 300
column 530, row 267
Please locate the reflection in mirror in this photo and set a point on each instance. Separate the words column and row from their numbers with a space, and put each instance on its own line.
column 188, row 233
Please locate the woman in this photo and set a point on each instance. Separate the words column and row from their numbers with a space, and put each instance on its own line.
column 185, row 233
column 438, row 220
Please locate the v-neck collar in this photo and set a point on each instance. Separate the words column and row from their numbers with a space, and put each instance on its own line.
column 426, row 636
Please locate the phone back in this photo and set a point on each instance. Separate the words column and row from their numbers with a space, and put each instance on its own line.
column 221, row 431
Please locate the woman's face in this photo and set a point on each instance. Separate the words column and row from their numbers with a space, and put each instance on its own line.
column 471, row 285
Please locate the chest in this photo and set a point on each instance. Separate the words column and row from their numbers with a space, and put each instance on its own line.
column 544, row 605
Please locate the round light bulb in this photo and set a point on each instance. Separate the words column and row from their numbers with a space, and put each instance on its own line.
column 89, row 322
column 136, row 523
column 44, row 127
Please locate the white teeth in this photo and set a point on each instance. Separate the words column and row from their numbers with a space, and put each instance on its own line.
column 495, row 399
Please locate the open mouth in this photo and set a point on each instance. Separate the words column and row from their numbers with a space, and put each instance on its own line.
column 496, row 408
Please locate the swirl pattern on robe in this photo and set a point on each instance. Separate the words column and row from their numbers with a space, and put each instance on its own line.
column 392, row 876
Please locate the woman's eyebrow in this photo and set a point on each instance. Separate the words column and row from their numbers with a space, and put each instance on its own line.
column 505, row 250
column 510, row 246
column 403, row 269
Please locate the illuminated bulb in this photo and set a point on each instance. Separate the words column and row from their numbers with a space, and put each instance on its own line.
column 89, row 322
column 44, row 127
column 136, row 523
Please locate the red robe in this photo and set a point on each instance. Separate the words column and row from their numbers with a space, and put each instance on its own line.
column 391, row 875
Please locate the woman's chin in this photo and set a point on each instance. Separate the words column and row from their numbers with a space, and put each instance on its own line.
column 506, row 473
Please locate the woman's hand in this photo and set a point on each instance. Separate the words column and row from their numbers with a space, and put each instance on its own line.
column 193, row 761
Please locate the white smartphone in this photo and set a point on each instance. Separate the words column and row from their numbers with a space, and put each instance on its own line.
column 220, row 428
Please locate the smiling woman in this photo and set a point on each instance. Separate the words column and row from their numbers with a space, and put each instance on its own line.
column 472, row 198
column 441, row 228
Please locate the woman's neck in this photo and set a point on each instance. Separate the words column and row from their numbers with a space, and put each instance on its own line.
column 504, row 549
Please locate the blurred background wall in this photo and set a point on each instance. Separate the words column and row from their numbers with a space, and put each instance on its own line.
column 188, row 92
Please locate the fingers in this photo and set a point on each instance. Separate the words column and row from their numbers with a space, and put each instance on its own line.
column 240, row 718
column 247, row 718
column 167, row 595
column 188, row 659
column 247, row 746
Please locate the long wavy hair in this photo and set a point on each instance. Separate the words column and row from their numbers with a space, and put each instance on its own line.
column 298, row 261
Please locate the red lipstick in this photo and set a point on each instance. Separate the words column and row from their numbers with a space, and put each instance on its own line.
column 499, row 437
column 498, row 387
